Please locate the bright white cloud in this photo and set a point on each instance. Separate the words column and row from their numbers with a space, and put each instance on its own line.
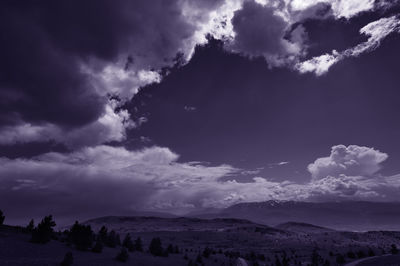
column 110, row 126
column 376, row 32
column 113, row 180
column 352, row 160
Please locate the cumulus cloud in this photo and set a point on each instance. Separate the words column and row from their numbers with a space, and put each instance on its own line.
column 376, row 31
column 260, row 31
column 341, row 8
column 351, row 160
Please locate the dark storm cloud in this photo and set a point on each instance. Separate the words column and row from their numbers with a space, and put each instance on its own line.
column 60, row 60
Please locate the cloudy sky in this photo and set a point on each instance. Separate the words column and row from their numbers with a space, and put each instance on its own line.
column 110, row 107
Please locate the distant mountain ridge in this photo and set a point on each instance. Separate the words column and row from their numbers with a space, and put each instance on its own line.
column 344, row 215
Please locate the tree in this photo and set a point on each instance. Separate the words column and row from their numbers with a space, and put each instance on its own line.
column 113, row 239
column 393, row 249
column 68, row 259
column 122, row 255
column 138, row 244
column 351, row 255
column 81, row 236
column 44, row 231
column 127, row 243
column 103, row 235
column 2, row 217
column 31, row 225
column 155, row 247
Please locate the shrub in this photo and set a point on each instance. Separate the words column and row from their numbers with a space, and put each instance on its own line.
column 206, row 252
column 371, row 253
column 68, row 259
column 122, row 255
column 361, row 254
column 393, row 249
column 98, row 247
column 81, row 236
column 351, row 255
column 44, row 231
column 340, row 259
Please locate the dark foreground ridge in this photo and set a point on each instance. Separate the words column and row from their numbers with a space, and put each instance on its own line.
column 115, row 240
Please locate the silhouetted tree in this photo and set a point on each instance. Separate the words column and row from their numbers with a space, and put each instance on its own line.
column 393, row 249
column 127, row 243
column 361, row 254
column 98, row 247
column 68, row 259
column 170, row 248
column 44, row 231
column 30, row 226
column 103, row 235
column 112, row 239
column 176, row 250
column 2, row 217
column 138, row 244
column 81, row 236
column 351, row 255
column 155, row 247
column 122, row 255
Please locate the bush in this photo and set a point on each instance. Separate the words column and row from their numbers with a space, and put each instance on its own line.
column 68, row 259
column 127, row 243
column 351, row 255
column 393, row 249
column 44, row 231
column 98, row 247
column 81, row 236
column 155, row 247
column 122, row 255
column 206, row 252
column 371, row 253
column 361, row 254
column 340, row 259
column 2, row 217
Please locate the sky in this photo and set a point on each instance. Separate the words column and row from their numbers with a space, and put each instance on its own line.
column 112, row 107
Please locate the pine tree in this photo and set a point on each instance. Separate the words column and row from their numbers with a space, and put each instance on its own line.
column 31, row 225
column 44, row 231
column 155, row 247
column 138, row 244
column 2, row 217
column 127, row 243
